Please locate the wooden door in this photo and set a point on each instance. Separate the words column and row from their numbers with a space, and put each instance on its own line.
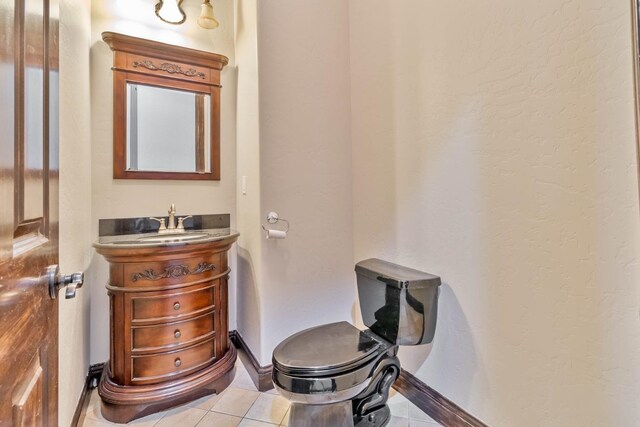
column 28, row 211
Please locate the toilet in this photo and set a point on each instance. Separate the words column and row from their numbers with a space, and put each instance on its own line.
column 336, row 375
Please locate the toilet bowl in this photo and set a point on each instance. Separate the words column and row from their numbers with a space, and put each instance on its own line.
column 337, row 375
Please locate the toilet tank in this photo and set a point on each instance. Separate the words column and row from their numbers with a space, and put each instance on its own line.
column 398, row 303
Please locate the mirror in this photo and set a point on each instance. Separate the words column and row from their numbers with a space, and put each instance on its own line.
column 167, row 130
column 166, row 110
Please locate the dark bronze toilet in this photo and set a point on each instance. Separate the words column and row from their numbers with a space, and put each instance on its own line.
column 336, row 375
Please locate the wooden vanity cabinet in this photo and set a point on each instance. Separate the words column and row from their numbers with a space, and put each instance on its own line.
column 169, row 330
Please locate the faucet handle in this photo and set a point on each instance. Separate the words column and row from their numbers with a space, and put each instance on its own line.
column 181, row 221
column 163, row 226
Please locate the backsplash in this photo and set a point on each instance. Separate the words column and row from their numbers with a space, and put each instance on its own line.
column 122, row 226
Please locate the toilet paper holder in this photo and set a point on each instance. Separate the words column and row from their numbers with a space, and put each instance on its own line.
column 273, row 218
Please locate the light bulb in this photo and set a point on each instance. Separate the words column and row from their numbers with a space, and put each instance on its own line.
column 207, row 19
column 170, row 11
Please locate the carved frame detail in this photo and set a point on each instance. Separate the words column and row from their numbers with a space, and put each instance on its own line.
column 169, row 68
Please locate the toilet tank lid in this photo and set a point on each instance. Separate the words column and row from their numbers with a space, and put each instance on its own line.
column 396, row 275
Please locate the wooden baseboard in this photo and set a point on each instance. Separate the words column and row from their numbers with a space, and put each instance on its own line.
column 89, row 384
column 260, row 375
column 433, row 403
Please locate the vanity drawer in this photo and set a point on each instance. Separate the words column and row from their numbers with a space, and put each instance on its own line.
column 163, row 366
column 164, row 337
column 175, row 272
column 172, row 306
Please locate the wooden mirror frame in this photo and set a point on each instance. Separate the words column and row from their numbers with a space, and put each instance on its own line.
column 151, row 63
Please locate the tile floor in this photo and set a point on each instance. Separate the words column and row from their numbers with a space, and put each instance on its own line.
column 242, row 405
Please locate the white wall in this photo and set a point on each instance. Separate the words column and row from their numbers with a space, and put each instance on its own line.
column 305, row 165
column 494, row 145
column 130, row 198
column 294, row 150
column 249, row 313
column 75, row 200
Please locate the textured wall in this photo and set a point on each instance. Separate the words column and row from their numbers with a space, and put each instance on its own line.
column 493, row 145
column 294, row 148
column 305, row 165
column 249, row 313
column 127, row 198
column 75, row 200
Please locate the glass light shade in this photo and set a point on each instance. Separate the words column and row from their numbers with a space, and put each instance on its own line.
column 207, row 19
column 170, row 11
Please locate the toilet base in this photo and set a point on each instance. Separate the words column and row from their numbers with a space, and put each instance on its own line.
column 332, row 415
column 336, row 415
column 367, row 409
column 376, row 418
column 370, row 407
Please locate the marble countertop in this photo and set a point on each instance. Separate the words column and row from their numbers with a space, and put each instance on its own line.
column 146, row 240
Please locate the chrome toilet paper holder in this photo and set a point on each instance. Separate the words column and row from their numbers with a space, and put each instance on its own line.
column 273, row 218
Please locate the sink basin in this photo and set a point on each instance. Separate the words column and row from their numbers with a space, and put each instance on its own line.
column 172, row 238
column 150, row 240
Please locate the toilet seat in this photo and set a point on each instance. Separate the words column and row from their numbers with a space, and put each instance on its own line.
column 326, row 350
column 326, row 363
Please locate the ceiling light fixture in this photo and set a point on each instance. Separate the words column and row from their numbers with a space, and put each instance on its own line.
column 170, row 11
column 207, row 19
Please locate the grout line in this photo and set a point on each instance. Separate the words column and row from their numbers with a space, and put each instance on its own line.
column 262, row 421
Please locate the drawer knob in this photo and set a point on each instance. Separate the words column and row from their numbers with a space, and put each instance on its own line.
column 177, row 333
column 178, row 362
column 176, row 306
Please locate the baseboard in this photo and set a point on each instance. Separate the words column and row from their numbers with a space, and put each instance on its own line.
column 433, row 403
column 260, row 375
column 89, row 384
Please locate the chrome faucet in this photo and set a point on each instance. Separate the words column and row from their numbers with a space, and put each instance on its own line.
column 180, row 227
column 172, row 218
column 171, row 227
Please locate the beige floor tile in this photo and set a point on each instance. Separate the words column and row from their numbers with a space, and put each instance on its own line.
column 253, row 423
column 236, row 401
column 243, row 380
column 95, row 397
column 272, row 391
column 398, row 422
column 239, row 366
column 416, row 414
column 415, row 423
column 206, row 403
column 399, row 407
column 93, row 409
column 182, row 416
column 216, row 419
column 90, row 422
column 268, row 408
column 148, row 421
column 285, row 420
column 394, row 396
